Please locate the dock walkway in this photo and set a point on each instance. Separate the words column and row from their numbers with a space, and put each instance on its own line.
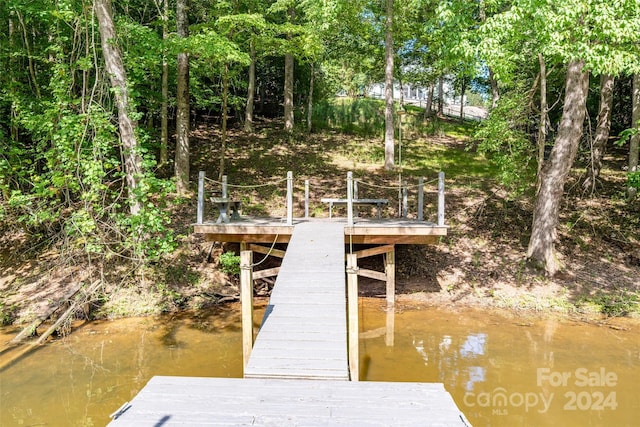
column 304, row 332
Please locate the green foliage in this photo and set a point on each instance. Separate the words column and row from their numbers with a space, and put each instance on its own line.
column 633, row 180
column 361, row 116
column 62, row 179
column 6, row 314
column 616, row 304
column 230, row 263
column 505, row 142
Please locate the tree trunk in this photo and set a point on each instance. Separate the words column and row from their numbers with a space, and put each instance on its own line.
column 164, row 109
column 429, row 102
column 12, row 78
column 310, row 101
column 30, row 56
column 288, row 93
column 117, row 75
column 463, row 92
column 634, row 145
column 441, row 96
column 288, row 84
column 248, row 117
column 389, row 143
column 495, row 90
column 601, row 137
column 555, row 171
column 225, row 103
column 542, row 130
column 182, row 101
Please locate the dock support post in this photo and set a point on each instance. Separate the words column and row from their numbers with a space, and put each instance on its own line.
column 224, row 186
column 200, row 214
column 350, row 198
column 306, row 198
column 389, row 336
column 441, row 199
column 246, row 297
column 352, row 310
column 421, row 198
column 405, row 203
column 390, row 271
column 289, row 198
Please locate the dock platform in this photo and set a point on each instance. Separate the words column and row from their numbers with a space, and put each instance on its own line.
column 186, row 401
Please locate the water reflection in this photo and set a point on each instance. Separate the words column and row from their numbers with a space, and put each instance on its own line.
column 500, row 370
column 507, row 371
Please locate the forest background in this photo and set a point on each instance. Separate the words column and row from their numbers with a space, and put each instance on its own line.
column 108, row 111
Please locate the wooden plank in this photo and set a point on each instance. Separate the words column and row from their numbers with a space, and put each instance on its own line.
column 371, row 239
column 395, row 230
column 267, row 272
column 169, row 401
column 246, row 237
column 338, row 201
column 267, row 251
column 378, row 250
column 365, row 230
column 372, row 274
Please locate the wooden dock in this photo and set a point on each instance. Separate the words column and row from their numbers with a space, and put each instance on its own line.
column 185, row 401
column 304, row 331
column 297, row 369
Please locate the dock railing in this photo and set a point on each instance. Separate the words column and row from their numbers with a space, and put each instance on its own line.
column 224, row 194
column 403, row 191
column 352, row 201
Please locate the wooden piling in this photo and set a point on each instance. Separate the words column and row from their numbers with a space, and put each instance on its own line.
column 200, row 213
column 246, row 297
column 389, row 336
column 289, row 198
column 306, row 198
column 224, row 186
column 405, row 202
column 390, row 271
column 421, row 198
column 350, row 198
column 352, row 310
column 441, row 199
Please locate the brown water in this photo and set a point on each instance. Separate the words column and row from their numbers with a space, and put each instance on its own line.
column 501, row 370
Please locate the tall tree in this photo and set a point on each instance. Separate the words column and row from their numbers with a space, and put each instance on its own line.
column 556, row 170
column 182, row 101
column 288, row 81
column 251, row 88
column 588, row 35
column 544, row 115
column 634, row 144
column 603, row 127
column 389, row 126
column 164, row 108
column 118, row 78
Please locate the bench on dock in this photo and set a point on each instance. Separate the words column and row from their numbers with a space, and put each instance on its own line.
column 224, row 204
column 357, row 202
